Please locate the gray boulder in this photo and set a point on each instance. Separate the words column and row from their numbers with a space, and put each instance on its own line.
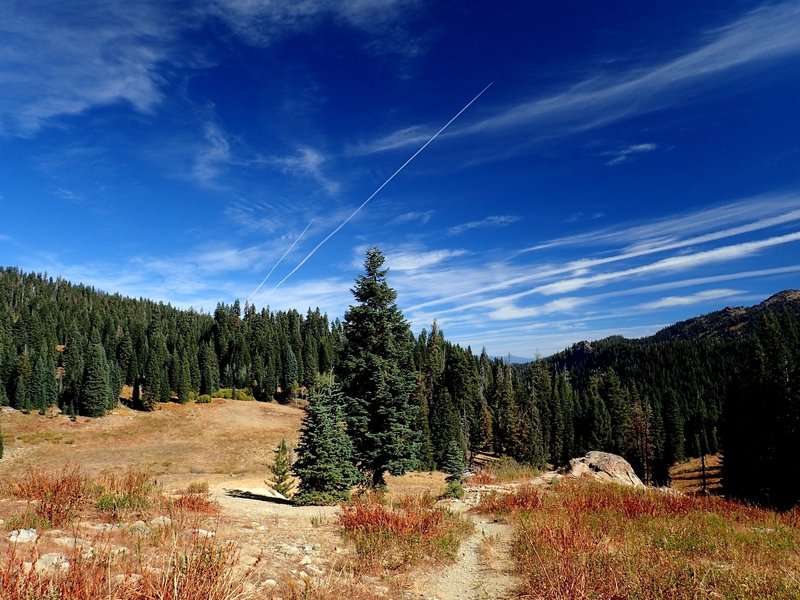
column 603, row 466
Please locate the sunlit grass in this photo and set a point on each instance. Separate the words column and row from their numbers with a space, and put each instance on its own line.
column 586, row 540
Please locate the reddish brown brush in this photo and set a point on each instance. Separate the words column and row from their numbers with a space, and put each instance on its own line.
column 482, row 476
column 523, row 498
column 200, row 503
column 394, row 537
column 57, row 497
column 588, row 540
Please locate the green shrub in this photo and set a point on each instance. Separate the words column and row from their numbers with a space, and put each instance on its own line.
column 204, row 399
column 454, row 490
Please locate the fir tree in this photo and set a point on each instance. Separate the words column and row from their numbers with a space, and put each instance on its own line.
column 378, row 377
column 94, row 391
column 454, row 462
column 324, row 452
column 281, row 468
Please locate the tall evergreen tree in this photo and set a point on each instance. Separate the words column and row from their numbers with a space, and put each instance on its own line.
column 324, row 452
column 94, row 391
column 378, row 376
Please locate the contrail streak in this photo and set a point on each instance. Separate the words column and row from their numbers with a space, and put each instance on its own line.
column 279, row 261
column 375, row 193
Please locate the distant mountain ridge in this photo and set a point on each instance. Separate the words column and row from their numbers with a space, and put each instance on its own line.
column 730, row 323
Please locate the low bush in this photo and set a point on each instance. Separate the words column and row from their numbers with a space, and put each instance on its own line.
column 589, row 540
column 54, row 498
column 412, row 531
column 204, row 399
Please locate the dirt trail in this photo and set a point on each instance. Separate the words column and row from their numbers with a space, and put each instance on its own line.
column 483, row 570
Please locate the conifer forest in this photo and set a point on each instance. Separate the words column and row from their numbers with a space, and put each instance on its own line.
column 725, row 383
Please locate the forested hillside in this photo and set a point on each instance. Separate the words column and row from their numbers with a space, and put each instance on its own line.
column 75, row 346
column 723, row 382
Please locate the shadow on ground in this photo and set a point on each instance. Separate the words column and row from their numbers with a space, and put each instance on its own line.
column 234, row 493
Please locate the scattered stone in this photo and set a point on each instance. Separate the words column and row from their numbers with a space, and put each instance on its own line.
column 23, row 536
column 140, row 528
column 315, row 570
column 308, row 548
column 306, row 560
column 203, row 533
column 104, row 526
column 70, row 542
column 51, row 564
column 127, row 578
column 270, row 583
column 290, row 550
column 161, row 521
column 603, row 466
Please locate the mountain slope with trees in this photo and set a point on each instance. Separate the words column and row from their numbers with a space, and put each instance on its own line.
column 724, row 382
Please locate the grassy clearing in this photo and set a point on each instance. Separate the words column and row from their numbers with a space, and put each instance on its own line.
column 170, row 560
column 405, row 533
column 586, row 540
column 503, row 470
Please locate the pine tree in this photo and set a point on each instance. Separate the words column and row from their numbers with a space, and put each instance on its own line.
column 378, row 377
column 281, row 468
column 454, row 462
column 324, row 452
column 94, row 391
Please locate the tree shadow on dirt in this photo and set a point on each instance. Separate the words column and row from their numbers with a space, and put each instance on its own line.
column 248, row 495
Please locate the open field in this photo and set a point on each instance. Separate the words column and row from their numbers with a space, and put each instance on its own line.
column 174, row 504
column 225, row 447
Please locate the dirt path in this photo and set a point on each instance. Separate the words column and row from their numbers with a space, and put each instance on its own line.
column 483, row 569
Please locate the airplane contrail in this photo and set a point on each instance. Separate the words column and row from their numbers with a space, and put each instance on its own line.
column 280, row 260
column 375, row 193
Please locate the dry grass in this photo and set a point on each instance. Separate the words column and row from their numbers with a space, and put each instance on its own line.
column 54, row 498
column 688, row 477
column 502, row 470
column 588, row 540
column 403, row 534
column 176, row 443
column 170, row 562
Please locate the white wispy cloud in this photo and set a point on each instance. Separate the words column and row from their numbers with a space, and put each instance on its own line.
column 306, row 162
column 421, row 217
column 723, row 220
column 697, row 298
column 491, row 221
column 671, row 264
column 414, row 261
column 620, row 156
column 766, row 34
column 213, row 155
column 261, row 23
column 103, row 53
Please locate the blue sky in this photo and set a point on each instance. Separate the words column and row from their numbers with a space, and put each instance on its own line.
column 630, row 165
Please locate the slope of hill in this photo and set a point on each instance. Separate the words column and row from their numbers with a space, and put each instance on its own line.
column 732, row 322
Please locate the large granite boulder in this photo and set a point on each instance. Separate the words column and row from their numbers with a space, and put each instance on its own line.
column 603, row 466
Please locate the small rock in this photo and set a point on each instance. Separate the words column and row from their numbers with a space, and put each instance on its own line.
column 203, row 533
column 70, row 542
column 51, row 563
column 308, row 548
column 270, row 583
column 23, row 536
column 161, row 521
column 306, row 560
column 314, row 570
column 290, row 550
column 140, row 528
